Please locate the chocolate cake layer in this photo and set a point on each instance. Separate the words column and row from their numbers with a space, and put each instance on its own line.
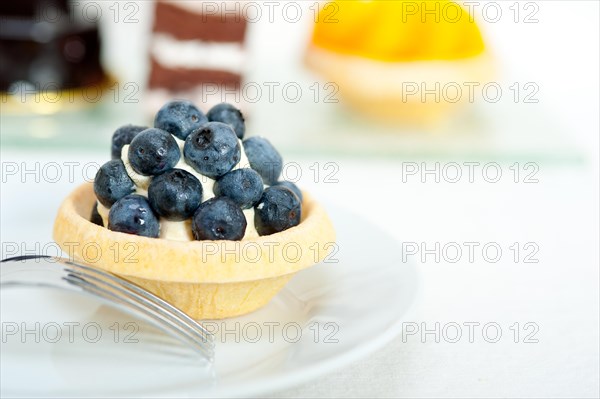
column 187, row 25
column 182, row 79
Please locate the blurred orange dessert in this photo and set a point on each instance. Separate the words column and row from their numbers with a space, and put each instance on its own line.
column 400, row 60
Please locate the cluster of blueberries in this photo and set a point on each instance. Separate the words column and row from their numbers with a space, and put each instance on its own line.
column 212, row 149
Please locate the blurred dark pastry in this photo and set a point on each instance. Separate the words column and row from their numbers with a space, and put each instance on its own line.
column 46, row 47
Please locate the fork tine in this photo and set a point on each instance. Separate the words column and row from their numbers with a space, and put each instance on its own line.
column 157, row 305
column 147, row 295
column 116, row 292
column 170, row 311
column 190, row 325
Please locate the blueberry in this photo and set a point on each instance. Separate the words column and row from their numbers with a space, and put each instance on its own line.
column 291, row 186
column 112, row 183
column 179, row 118
column 133, row 215
column 122, row 136
column 264, row 159
column 95, row 216
column 230, row 115
column 153, row 151
column 212, row 150
column 278, row 209
column 175, row 194
column 243, row 186
column 219, row 218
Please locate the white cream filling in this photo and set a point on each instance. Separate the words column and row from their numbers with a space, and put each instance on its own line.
column 196, row 54
column 173, row 230
column 178, row 231
column 141, row 182
column 103, row 212
column 250, row 228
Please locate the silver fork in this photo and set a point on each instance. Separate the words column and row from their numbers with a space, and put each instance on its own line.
column 45, row 271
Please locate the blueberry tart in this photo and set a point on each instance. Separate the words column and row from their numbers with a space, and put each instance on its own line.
column 197, row 213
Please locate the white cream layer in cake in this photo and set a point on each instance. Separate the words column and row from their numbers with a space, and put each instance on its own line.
column 197, row 54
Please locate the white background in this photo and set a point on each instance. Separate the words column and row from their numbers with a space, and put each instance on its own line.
column 559, row 214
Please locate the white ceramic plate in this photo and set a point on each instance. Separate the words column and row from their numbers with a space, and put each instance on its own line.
column 327, row 317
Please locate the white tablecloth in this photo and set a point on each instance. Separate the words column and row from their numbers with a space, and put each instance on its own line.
column 558, row 295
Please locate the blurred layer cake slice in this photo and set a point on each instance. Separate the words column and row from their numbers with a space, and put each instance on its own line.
column 196, row 52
